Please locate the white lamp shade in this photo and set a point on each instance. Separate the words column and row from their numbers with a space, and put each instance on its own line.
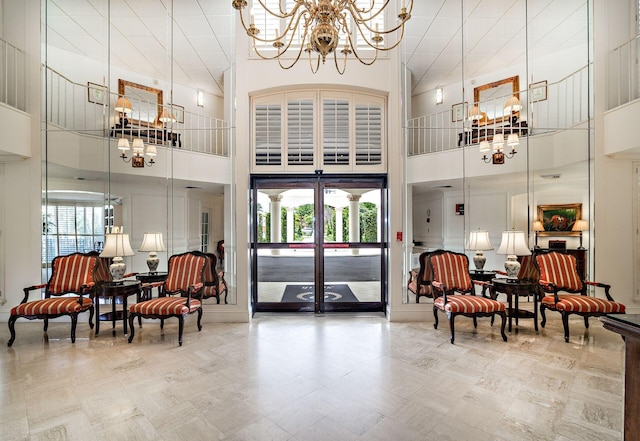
column 513, row 243
column 513, row 140
column 580, row 225
column 152, row 242
column 498, row 140
column 512, row 104
column 537, row 226
column 474, row 113
column 123, row 105
column 117, row 245
column 138, row 146
column 151, row 150
column 123, row 144
column 484, row 146
column 479, row 240
column 166, row 117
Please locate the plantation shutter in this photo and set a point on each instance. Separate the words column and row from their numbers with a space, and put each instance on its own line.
column 335, row 132
column 368, row 134
column 300, row 132
column 268, row 134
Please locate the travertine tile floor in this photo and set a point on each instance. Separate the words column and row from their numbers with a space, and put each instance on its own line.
column 306, row 377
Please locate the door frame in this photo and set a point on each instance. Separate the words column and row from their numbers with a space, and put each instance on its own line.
column 317, row 182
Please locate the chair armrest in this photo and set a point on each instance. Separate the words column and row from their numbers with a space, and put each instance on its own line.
column 549, row 287
column 485, row 286
column 28, row 289
column 601, row 285
column 439, row 286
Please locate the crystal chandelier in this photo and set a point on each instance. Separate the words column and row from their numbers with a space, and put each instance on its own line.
column 320, row 26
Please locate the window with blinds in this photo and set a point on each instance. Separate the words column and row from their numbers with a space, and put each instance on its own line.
column 268, row 134
column 368, row 134
column 306, row 130
column 335, row 132
column 300, row 132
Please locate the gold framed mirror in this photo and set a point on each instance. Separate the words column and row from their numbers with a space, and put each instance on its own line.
column 146, row 103
column 490, row 99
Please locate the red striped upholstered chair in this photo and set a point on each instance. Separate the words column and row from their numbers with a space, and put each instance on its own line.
column 454, row 292
column 179, row 295
column 420, row 281
column 69, row 291
column 559, row 273
column 214, row 283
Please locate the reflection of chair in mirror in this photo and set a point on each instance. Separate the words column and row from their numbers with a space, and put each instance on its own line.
column 220, row 250
column 185, row 281
column 214, row 283
column 69, row 291
column 420, row 281
column 559, row 272
column 454, row 292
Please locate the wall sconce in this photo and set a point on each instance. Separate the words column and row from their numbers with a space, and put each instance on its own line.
column 513, row 244
column 439, row 95
column 479, row 241
column 580, row 225
column 474, row 113
column 166, row 117
column 137, row 159
column 498, row 155
column 116, row 246
column 152, row 242
column 537, row 227
column 200, row 98
column 513, row 106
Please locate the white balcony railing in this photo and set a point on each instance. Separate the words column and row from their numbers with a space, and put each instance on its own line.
column 623, row 80
column 70, row 107
column 13, row 76
column 566, row 105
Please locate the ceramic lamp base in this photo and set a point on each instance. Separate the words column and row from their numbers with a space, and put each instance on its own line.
column 479, row 260
column 512, row 266
column 117, row 269
column 152, row 262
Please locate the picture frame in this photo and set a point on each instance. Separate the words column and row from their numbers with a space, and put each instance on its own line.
column 458, row 112
column 178, row 113
column 538, row 91
column 558, row 219
column 97, row 93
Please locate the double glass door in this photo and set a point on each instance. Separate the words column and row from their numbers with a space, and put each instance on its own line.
column 318, row 243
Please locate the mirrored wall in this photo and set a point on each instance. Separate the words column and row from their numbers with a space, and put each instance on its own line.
column 509, row 142
column 135, row 128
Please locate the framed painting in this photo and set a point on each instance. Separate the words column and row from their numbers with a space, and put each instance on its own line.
column 97, row 93
column 178, row 113
column 558, row 220
column 457, row 112
column 538, row 91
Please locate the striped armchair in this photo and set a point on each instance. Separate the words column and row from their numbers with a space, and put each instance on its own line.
column 420, row 281
column 559, row 273
column 69, row 291
column 214, row 283
column 179, row 295
column 454, row 291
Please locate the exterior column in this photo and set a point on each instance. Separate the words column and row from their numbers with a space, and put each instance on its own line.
column 354, row 220
column 276, row 236
column 339, row 222
column 290, row 211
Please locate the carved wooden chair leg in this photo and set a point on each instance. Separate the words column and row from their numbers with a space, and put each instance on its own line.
column 12, row 330
column 565, row 324
column 435, row 316
column 74, row 323
column 46, row 324
column 586, row 322
column 131, row 329
column 451, row 318
column 475, row 321
column 91, row 313
column 180, row 329
column 543, row 315
column 161, row 323
column 199, row 319
column 503, row 315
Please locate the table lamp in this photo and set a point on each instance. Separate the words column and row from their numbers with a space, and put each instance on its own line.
column 116, row 246
column 479, row 241
column 537, row 227
column 580, row 225
column 152, row 242
column 513, row 244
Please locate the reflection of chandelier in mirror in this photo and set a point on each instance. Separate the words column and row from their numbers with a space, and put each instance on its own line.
column 137, row 158
column 319, row 26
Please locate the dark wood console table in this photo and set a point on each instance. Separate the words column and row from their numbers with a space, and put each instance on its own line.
column 115, row 291
column 477, row 134
column 628, row 326
column 155, row 136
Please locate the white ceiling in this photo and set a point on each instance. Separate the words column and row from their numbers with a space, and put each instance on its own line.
column 203, row 42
